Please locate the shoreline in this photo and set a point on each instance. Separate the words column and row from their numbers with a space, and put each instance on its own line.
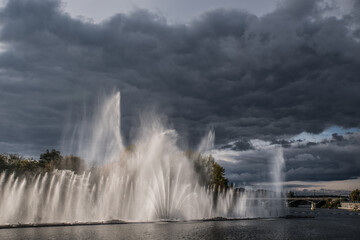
column 118, row 222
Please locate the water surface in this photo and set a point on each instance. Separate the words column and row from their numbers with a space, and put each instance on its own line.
column 327, row 224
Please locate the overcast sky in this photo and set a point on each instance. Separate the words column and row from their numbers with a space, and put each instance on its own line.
column 175, row 11
column 254, row 71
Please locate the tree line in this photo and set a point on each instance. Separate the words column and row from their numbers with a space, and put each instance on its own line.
column 209, row 172
column 48, row 161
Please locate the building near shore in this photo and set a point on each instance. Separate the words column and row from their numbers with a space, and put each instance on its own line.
column 350, row 205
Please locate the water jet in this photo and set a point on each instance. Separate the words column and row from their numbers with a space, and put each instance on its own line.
column 152, row 181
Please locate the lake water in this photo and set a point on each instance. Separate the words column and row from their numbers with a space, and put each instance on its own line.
column 326, row 224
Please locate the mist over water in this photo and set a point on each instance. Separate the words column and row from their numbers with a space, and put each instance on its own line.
column 148, row 181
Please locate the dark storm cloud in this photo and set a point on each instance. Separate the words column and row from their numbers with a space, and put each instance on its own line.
column 335, row 159
column 240, row 145
column 292, row 70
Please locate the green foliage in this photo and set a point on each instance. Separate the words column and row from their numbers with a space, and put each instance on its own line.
column 217, row 175
column 3, row 162
column 73, row 163
column 13, row 158
column 201, row 165
column 49, row 161
column 291, row 194
column 331, row 203
column 355, row 195
column 336, row 203
column 210, row 172
column 26, row 165
column 13, row 162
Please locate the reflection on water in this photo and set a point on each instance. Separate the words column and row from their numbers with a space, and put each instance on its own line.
column 327, row 224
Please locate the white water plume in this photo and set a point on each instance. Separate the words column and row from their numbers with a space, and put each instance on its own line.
column 277, row 175
column 149, row 180
column 207, row 142
column 99, row 140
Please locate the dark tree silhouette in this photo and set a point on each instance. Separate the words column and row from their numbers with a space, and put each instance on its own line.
column 355, row 195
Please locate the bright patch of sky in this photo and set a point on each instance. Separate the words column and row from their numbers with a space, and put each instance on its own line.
column 325, row 135
column 173, row 10
column 3, row 47
column 329, row 187
column 260, row 144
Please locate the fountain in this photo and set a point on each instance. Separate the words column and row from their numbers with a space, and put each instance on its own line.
column 150, row 181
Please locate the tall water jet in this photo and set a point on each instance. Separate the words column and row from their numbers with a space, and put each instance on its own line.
column 151, row 180
column 99, row 140
column 277, row 168
column 277, row 179
column 207, row 142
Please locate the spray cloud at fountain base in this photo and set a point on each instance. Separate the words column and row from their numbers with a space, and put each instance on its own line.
column 151, row 180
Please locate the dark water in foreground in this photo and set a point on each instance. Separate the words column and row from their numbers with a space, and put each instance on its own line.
column 327, row 224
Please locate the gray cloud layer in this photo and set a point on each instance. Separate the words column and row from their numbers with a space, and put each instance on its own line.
column 295, row 69
column 328, row 160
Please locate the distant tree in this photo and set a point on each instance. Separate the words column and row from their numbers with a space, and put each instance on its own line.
column 210, row 172
column 13, row 158
column 218, row 179
column 3, row 162
column 50, row 156
column 18, row 163
column 73, row 163
column 336, row 203
column 50, row 159
column 330, row 203
column 291, row 194
column 355, row 195
column 26, row 165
